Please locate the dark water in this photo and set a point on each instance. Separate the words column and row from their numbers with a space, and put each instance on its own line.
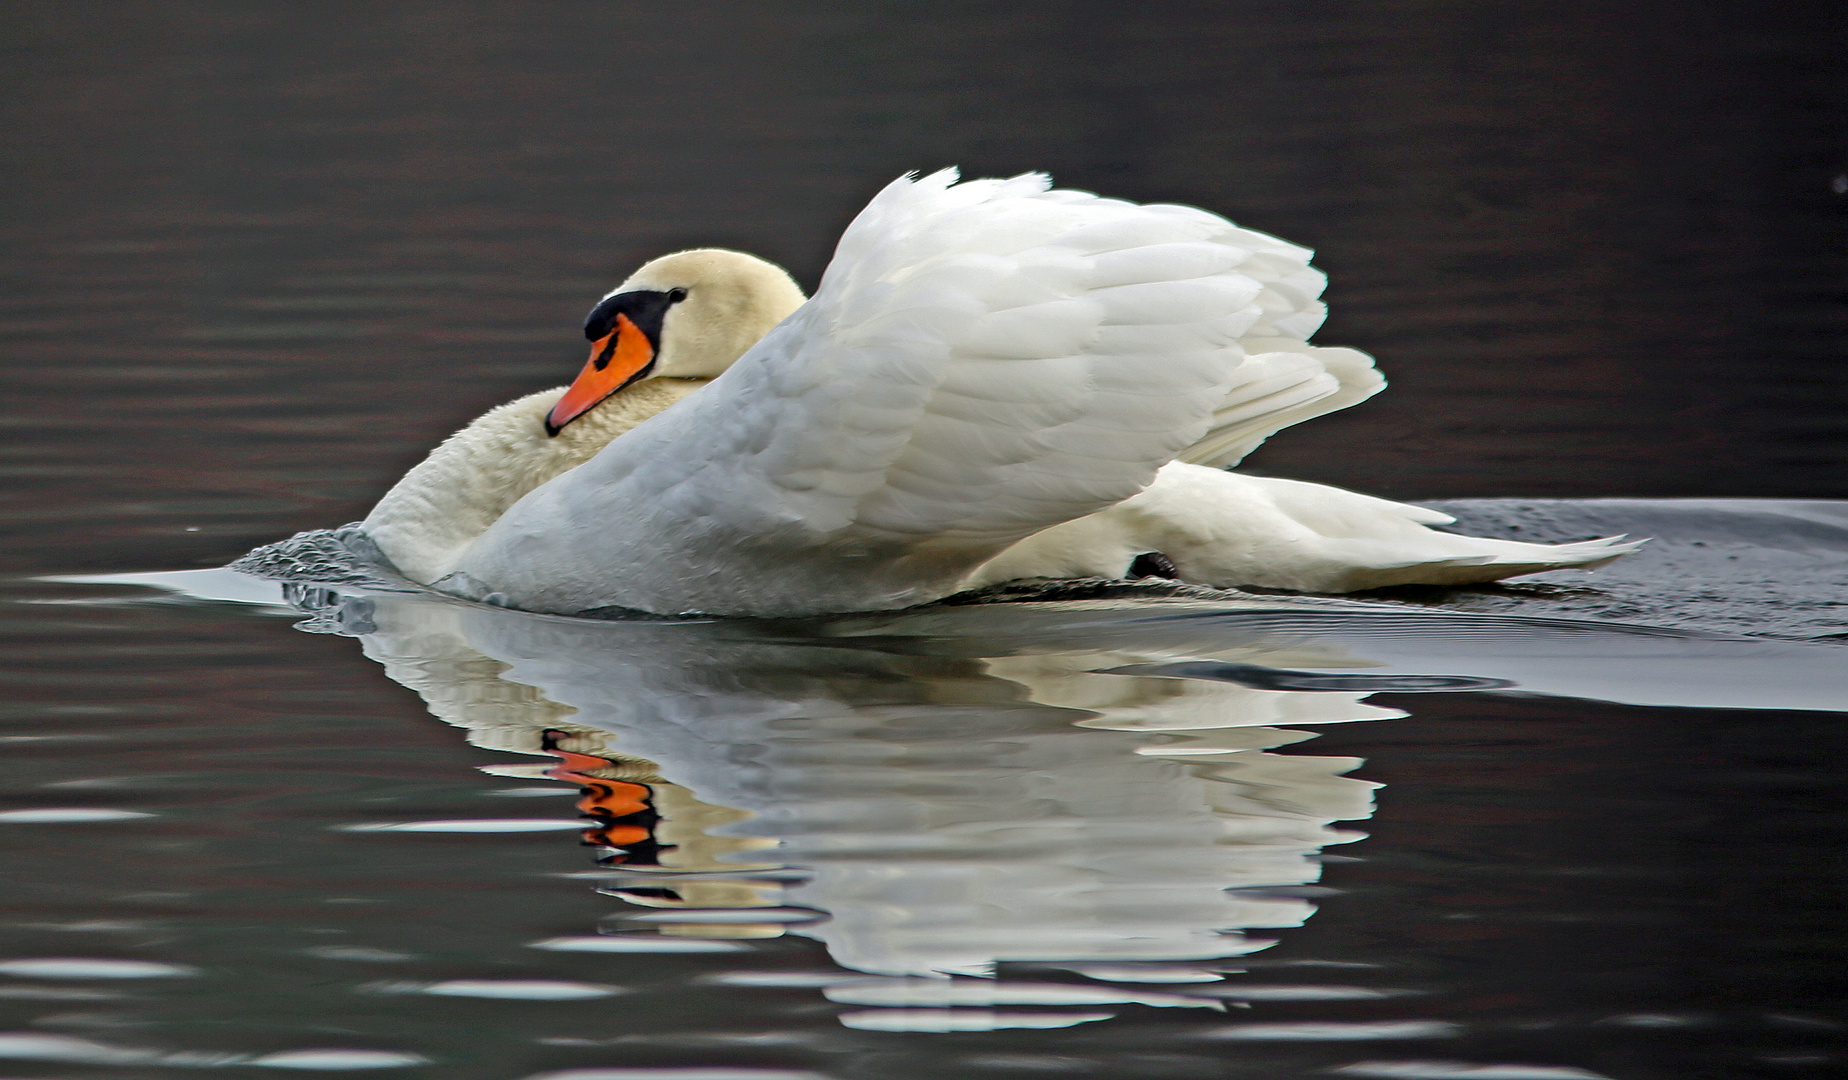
column 1141, row 837
column 260, row 255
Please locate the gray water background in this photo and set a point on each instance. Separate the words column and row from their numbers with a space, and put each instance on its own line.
column 261, row 255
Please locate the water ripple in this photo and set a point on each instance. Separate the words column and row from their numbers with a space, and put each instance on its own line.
column 84, row 968
column 944, row 1020
column 67, row 815
column 468, row 825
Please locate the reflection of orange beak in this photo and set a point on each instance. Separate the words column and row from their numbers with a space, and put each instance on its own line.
column 609, row 801
column 619, row 358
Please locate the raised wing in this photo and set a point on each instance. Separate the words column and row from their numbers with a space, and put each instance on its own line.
column 993, row 357
column 981, row 361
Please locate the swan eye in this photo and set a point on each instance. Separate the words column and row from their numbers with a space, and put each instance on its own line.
column 675, row 296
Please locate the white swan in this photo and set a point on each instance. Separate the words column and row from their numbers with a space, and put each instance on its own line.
column 986, row 386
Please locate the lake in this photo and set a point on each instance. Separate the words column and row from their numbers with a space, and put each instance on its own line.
column 261, row 256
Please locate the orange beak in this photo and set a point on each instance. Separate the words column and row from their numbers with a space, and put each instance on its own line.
column 617, row 359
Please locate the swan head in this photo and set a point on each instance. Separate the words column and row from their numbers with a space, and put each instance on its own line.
column 689, row 315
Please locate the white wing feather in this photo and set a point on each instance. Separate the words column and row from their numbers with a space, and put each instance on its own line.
column 1285, row 385
column 981, row 361
column 1284, row 380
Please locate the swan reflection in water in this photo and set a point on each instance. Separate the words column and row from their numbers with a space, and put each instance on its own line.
column 920, row 810
column 1100, row 788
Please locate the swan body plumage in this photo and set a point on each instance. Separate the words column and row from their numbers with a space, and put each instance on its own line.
column 428, row 519
column 1228, row 529
column 994, row 380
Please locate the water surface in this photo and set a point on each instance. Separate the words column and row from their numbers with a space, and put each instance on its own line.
column 259, row 256
column 1118, row 837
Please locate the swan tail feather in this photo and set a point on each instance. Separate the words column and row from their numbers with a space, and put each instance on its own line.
column 1496, row 560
